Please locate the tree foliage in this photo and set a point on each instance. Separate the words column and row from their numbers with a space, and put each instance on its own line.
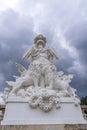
column 84, row 100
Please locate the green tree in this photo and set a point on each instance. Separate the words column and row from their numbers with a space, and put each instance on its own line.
column 84, row 100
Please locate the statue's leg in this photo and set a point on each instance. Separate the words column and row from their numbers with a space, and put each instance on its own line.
column 36, row 82
column 42, row 82
column 51, row 84
column 49, row 78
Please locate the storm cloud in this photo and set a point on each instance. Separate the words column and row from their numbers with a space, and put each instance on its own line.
column 63, row 22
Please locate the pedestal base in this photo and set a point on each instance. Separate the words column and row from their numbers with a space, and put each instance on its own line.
column 33, row 127
column 18, row 112
column 43, row 127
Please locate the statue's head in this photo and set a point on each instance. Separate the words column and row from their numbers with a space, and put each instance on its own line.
column 40, row 39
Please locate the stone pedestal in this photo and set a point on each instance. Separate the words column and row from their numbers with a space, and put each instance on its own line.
column 18, row 112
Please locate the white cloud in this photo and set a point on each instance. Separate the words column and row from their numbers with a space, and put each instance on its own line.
column 5, row 4
column 79, row 69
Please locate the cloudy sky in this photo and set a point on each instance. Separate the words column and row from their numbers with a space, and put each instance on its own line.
column 63, row 22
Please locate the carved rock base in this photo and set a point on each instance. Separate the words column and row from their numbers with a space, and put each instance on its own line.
column 18, row 112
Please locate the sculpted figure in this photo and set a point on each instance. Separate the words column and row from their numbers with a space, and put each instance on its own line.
column 40, row 67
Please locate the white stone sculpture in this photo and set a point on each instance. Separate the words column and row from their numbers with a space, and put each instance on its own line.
column 41, row 84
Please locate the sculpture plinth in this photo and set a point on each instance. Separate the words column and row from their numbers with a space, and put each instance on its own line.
column 41, row 95
column 21, row 114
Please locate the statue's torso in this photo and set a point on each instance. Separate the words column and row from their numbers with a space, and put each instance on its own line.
column 40, row 57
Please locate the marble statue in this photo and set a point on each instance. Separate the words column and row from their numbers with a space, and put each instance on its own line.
column 41, row 83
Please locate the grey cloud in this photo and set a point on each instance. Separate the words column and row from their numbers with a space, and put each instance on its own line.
column 78, row 38
column 14, row 34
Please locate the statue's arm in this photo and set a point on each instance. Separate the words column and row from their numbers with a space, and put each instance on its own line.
column 52, row 52
column 21, row 69
column 28, row 53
